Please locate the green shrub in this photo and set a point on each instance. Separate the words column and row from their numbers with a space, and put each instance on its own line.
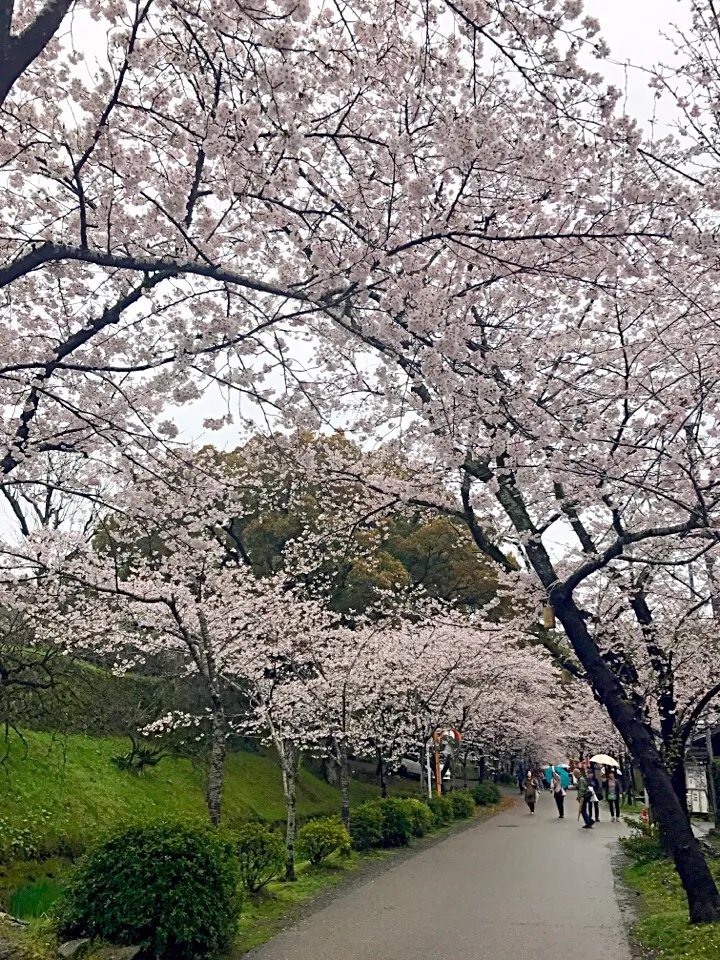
column 319, row 838
column 463, row 804
column 486, row 794
column 442, row 810
column 507, row 778
column 643, row 844
column 397, row 825
column 366, row 826
column 260, row 854
column 168, row 886
column 421, row 817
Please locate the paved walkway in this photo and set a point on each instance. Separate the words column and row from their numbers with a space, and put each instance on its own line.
column 512, row 887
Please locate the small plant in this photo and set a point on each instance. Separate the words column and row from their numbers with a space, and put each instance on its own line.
column 442, row 810
column 643, row 844
column 463, row 804
column 421, row 817
column 20, row 840
column 486, row 794
column 138, row 758
column 169, row 887
column 318, row 839
column 366, row 826
column 507, row 778
column 35, row 898
column 261, row 855
column 397, row 822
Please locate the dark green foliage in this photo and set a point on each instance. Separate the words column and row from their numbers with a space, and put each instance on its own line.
column 507, row 778
column 397, row 822
column 442, row 810
column 421, row 817
column 260, row 854
column 463, row 804
column 168, row 886
column 320, row 838
column 643, row 844
column 366, row 826
column 486, row 794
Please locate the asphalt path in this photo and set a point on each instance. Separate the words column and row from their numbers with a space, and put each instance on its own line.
column 509, row 888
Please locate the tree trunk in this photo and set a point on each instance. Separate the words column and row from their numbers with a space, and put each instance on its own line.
column 697, row 881
column 330, row 765
column 217, row 766
column 344, row 781
column 290, row 762
column 424, row 786
column 679, row 783
column 481, row 768
column 381, row 773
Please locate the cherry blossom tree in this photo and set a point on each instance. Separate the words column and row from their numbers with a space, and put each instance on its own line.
column 186, row 195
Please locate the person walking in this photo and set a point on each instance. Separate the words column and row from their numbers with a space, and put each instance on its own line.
column 597, row 792
column 558, row 793
column 583, row 791
column 613, row 795
column 531, row 792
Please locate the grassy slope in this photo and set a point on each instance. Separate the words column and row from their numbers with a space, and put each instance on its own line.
column 67, row 787
column 663, row 927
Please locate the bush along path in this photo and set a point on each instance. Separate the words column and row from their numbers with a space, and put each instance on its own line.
column 379, row 831
column 512, row 887
column 663, row 929
column 188, row 890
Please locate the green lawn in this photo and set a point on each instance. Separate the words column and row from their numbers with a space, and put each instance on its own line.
column 663, row 927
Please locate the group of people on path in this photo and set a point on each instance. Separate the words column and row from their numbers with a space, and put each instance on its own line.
column 590, row 791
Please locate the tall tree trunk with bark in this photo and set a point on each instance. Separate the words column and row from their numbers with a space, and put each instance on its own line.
column 290, row 758
column 342, row 757
column 218, row 750
column 697, row 881
column 381, row 773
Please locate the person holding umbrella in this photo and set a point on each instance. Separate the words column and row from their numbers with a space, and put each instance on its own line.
column 584, row 800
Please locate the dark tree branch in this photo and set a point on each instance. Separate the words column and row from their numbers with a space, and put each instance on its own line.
column 17, row 52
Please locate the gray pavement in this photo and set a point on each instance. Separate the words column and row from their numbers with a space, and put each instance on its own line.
column 511, row 887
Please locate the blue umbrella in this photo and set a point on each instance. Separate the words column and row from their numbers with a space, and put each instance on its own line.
column 562, row 773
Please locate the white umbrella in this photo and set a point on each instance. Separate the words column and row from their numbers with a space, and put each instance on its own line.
column 604, row 759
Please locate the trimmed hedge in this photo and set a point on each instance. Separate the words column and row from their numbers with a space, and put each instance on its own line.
column 318, row 839
column 366, row 826
column 421, row 817
column 170, row 887
column 463, row 804
column 442, row 810
column 486, row 794
column 397, row 825
column 261, row 855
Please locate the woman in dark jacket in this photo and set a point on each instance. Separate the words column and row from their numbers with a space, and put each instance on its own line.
column 613, row 795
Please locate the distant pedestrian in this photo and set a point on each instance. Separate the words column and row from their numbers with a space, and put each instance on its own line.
column 531, row 792
column 583, row 791
column 521, row 777
column 597, row 792
column 613, row 795
column 558, row 793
